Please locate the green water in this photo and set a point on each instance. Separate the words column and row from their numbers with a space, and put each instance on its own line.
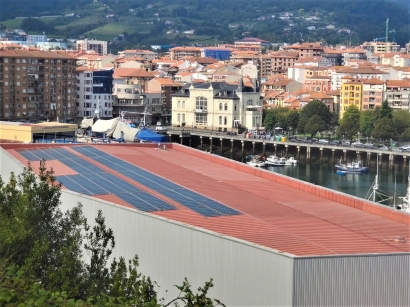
column 324, row 174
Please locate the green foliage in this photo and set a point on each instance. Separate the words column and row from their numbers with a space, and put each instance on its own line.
column 315, row 107
column 350, row 123
column 42, row 252
column 314, row 125
column 36, row 25
column 384, row 129
column 401, row 120
column 385, row 110
column 366, row 122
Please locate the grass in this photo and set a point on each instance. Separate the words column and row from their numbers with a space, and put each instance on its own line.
column 13, row 23
column 85, row 21
column 112, row 30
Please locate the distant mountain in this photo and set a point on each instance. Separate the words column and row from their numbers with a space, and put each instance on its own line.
column 144, row 22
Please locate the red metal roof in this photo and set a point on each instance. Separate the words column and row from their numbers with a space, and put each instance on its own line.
column 285, row 217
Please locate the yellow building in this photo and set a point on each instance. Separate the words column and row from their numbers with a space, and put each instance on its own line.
column 351, row 92
column 29, row 133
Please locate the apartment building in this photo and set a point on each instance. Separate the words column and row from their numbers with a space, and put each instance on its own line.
column 166, row 87
column 351, row 93
column 217, row 106
column 373, row 93
column 94, row 88
column 130, row 95
column 362, row 72
column 322, row 84
column 282, row 60
column 380, row 47
column 37, row 85
column 178, row 53
column 398, row 94
column 147, row 55
column 85, row 45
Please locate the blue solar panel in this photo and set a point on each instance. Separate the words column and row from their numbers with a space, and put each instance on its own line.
column 27, row 155
column 190, row 199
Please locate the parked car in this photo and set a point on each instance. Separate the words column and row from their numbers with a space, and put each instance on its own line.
column 335, row 143
column 323, row 141
column 405, row 147
column 345, row 144
column 382, row 147
column 357, row 144
column 314, row 140
column 369, row 145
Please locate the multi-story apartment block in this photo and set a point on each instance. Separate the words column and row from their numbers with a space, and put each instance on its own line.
column 147, row 55
column 335, row 56
column 373, row 93
column 251, row 43
column 167, row 87
column 306, row 50
column 37, row 85
column 282, row 60
column 94, row 88
column 351, row 93
column 89, row 44
column 178, row 53
column 363, row 72
column 398, row 94
column 217, row 106
column 322, row 84
column 380, row 47
column 353, row 54
column 396, row 59
column 130, row 95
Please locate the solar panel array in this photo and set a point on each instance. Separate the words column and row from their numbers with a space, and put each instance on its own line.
column 192, row 200
column 93, row 180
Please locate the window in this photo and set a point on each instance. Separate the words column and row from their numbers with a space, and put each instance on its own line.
column 179, row 118
column 201, row 103
column 179, row 104
column 220, row 120
column 183, row 118
column 220, row 107
column 201, row 118
column 183, row 104
column 226, row 107
column 225, row 120
column 235, row 106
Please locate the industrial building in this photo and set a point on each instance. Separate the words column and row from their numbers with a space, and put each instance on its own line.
column 265, row 239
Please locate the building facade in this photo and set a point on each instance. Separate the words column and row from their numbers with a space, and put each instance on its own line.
column 398, row 94
column 37, row 85
column 89, row 44
column 217, row 106
column 94, row 93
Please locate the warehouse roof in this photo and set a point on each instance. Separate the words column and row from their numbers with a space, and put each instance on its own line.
column 275, row 211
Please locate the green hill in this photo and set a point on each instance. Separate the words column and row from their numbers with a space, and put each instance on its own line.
column 143, row 22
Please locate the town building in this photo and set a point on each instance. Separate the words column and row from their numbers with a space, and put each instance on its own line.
column 85, row 45
column 94, row 88
column 373, row 93
column 398, row 94
column 351, row 93
column 380, row 47
column 37, row 85
column 178, row 53
column 147, row 55
column 217, row 106
column 218, row 53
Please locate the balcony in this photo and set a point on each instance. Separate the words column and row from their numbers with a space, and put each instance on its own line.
column 200, row 111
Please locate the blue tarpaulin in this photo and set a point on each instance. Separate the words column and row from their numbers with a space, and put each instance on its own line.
column 148, row 135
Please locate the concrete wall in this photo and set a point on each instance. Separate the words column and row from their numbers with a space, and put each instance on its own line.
column 374, row 280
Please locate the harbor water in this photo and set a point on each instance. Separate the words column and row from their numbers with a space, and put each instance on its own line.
column 391, row 180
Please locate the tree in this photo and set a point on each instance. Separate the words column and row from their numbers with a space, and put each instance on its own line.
column 401, row 120
column 315, row 107
column 315, row 125
column 270, row 121
column 350, row 123
column 384, row 129
column 42, row 253
column 386, row 110
column 366, row 122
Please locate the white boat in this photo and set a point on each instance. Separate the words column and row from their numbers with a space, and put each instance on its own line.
column 291, row 161
column 354, row 167
column 255, row 160
column 275, row 161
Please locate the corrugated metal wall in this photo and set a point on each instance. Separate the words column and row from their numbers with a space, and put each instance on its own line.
column 375, row 280
column 243, row 275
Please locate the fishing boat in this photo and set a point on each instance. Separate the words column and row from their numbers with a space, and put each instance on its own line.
column 354, row 167
column 375, row 194
column 291, row 161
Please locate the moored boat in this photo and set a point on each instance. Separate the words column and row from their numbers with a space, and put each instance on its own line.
column 354, row 167
column 255, row 160
column 275, row 161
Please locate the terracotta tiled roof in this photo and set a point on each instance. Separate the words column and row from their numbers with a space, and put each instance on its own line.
column 398, row 83
column 132, row 72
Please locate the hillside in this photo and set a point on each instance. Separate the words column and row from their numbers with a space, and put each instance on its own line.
column 144, row 22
